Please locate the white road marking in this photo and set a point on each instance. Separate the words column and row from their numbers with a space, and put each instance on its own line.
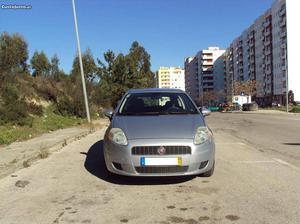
column 255, row 161
column 282, row 162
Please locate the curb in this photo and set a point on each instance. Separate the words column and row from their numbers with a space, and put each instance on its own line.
column 44, row 152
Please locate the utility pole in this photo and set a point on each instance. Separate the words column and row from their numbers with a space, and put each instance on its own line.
column 81, row 66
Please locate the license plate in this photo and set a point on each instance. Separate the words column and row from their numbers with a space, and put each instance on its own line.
column 175, row 161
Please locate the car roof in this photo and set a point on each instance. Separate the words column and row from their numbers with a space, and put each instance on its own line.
column 155, row 90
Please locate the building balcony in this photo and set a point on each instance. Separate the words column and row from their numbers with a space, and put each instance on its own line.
column 206, row 56
column 267, row 42
column 283, row 34
column 207, row 82
column 268, row 71
column 283, row 68
column 207, row 69
column 205, row 76
column 267, row 23
column 282, row 11
column 207, row 63
column 206, row 88
column 282, row 23
column 267, row 33
column 268, row 52
column 268, row 61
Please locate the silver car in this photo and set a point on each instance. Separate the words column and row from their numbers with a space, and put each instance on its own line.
column 158, row 132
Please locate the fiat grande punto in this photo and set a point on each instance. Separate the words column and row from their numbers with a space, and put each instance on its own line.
column 158, row 132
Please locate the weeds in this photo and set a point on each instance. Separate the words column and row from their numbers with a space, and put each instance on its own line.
column 43, row 154
column 26, row 164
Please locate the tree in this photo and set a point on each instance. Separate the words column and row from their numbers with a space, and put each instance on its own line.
column 40, row 64
column 13, row 53
column 55, row 72
column 122, row 72
column 140, row 74
column 249, row 87
column 89, row 66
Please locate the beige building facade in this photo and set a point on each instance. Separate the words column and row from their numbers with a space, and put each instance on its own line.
column 171, row 77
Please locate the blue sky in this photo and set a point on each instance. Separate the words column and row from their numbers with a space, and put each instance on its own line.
column 169, row 29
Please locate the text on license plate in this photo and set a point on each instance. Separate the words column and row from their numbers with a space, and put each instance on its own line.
column 176, row 161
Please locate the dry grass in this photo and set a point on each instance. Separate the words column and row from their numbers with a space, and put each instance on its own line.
column 26, row 164
column 43, row 154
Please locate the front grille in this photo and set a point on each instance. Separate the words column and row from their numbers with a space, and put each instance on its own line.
column 161, row 169
column 152, row 150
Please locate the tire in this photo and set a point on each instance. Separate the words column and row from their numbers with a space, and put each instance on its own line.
column 208, row 173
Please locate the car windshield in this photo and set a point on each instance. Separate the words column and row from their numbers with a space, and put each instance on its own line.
column 157, row 104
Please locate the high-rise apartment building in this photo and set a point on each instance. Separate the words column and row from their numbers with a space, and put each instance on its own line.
column 266, row 52
column 204, row 72
column 211, row 70
column 191, row 77
column 171, row 77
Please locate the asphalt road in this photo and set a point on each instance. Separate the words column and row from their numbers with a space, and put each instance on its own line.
column 275, row 134
column 255, row 181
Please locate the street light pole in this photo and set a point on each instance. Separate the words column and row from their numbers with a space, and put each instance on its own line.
column 81, row 66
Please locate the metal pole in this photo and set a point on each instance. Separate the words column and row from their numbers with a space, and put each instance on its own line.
column 202, row 91
column 81, row 66
column 232, row 87
column 287, row 81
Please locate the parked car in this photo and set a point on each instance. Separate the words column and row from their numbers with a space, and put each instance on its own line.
column 158, row 132
column 205, row 111
column 250, row 106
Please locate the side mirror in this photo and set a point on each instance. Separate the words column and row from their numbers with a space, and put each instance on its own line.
column 108, row 113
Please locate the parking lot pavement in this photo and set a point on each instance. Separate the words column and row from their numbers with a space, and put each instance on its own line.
column 72, row 186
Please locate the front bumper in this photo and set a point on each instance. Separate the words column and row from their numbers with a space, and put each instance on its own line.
column 119, row 159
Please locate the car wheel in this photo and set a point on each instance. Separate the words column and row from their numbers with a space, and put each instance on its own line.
column 208, row 173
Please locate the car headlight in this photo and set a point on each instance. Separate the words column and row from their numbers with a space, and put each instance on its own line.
column 117, row 136
column 202, row 135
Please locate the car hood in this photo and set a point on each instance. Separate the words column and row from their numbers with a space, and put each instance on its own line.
column 159, row 127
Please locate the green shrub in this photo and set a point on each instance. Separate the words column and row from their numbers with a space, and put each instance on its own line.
column 296, row 109
column 46, row 88
column 13, row 108
column 64, row 106
column 35, row 109
column 70, row 106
